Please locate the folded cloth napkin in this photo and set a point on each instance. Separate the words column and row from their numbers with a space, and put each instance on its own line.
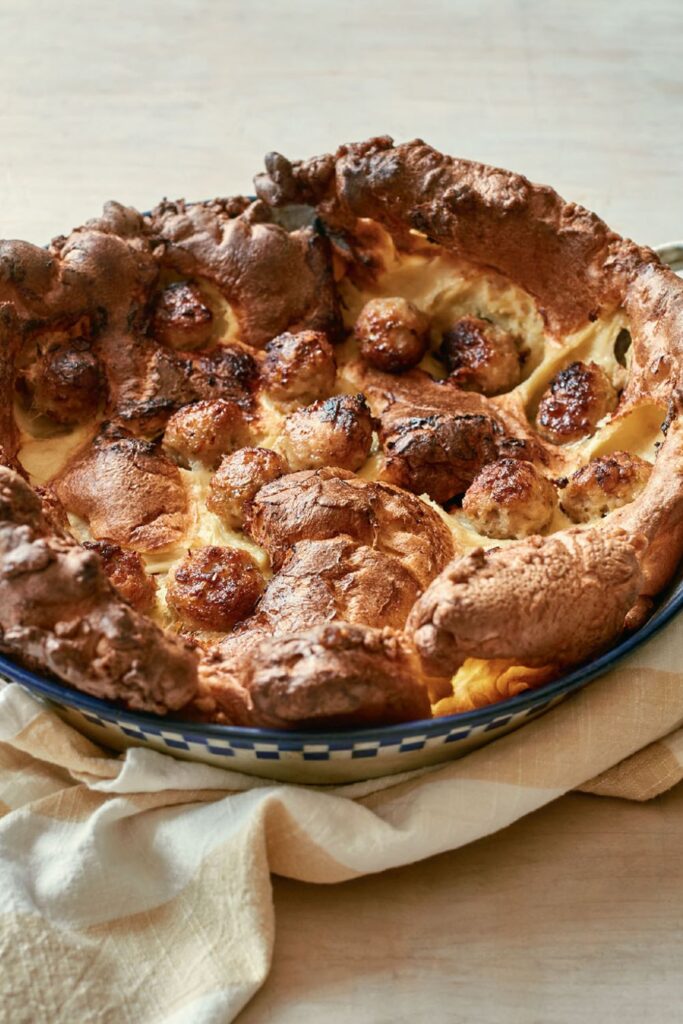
column 137, row 888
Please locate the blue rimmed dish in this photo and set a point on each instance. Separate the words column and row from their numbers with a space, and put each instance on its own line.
column 346, row 755
column 325, row 757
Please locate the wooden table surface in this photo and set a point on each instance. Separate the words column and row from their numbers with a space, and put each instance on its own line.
column 574, row 913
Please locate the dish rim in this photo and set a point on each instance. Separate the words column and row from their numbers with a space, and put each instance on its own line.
column 541, row 695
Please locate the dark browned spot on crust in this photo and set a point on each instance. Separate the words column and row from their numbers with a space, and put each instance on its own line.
column 437, row 455
column 526, row 449
column 239, row 478
column 480, row 356
column 181, row 318
column 579, row 396
column 393, row 334
column 214, row 587
column 126, row 572
column 299, row 367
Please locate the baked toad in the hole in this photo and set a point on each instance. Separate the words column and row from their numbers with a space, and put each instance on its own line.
column 399, row 437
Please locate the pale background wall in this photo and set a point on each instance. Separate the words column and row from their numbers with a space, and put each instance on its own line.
column 132, row 100
column 574, row 913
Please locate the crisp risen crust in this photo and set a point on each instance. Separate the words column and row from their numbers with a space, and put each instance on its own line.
column 331, row 676
column 324, row 580
column 320, row 504
column 275, row 280
column 336, row 675
column 154, row 314
column 60, row 612
column 562, row 254
column 127, row 491
column 552, row 600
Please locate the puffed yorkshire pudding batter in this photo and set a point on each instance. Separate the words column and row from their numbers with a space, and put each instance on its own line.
column 398, row 437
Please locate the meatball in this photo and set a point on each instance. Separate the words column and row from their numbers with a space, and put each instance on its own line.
column 578, row 398
column 334, row 432
column 181, row 319
column 126, row 572
column 239, row 478
column 214, row 587
column 438, row 455
column 228, row 371
column 63, row 382
column 480, row 356
column 393, row 334
column 508, row 499
column 203, row 431
column 606, row 483
column 299, row 367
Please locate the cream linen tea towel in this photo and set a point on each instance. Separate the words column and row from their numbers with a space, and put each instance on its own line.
column 137, row 889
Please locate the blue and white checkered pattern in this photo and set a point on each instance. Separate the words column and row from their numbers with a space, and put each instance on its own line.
column 197, row 742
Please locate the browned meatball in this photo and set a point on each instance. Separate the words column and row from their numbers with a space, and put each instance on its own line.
column 480, row 356
column 181, row 318
column 126, row 572
column 606, row 483
column 334, row 432
column 203, row 431
column 509, row 498
column 437, row 455
column 239, row 478
column 227, row 371
column 579, row 396
column 214, row 587
column 63, row 382
column 393, row 334
column 299, row 367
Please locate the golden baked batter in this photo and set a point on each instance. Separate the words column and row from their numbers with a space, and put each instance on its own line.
column 401, row 433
